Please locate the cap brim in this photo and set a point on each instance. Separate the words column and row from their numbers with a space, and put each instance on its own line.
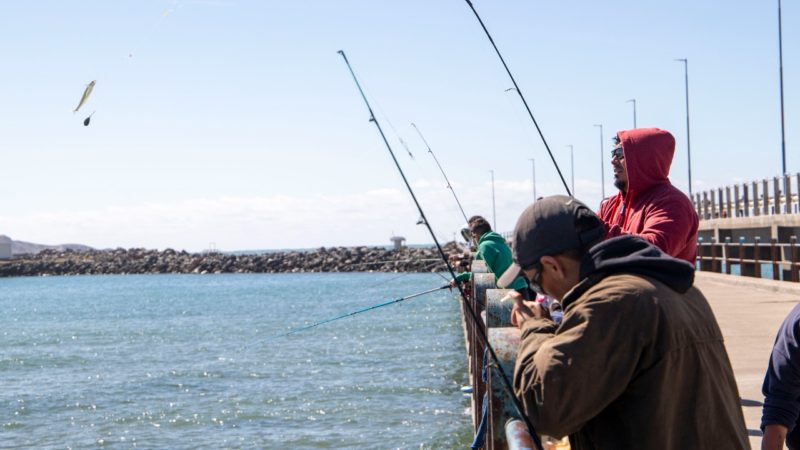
column 509, row 276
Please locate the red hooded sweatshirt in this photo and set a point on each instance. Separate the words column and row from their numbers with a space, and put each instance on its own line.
column 652, row 208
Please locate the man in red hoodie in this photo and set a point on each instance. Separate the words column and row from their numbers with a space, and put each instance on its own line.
column 647, row 204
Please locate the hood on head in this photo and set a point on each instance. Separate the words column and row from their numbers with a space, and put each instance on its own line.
column 648, row 156
column 492, row 236
column 632, row 254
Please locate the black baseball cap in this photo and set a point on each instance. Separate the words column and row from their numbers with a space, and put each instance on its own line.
column 550, row 226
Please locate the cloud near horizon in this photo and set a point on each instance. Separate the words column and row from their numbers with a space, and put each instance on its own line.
column 274, row 222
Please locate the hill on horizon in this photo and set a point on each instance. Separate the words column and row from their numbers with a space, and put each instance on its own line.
column 30, row 248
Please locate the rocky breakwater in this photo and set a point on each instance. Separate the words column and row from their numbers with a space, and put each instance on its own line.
column 142, row 261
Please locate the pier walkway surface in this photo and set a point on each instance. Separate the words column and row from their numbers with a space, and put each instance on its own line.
column 749, row 311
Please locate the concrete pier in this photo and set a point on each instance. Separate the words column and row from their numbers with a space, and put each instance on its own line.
column 749, row 311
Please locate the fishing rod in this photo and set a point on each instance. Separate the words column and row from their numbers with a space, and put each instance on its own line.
column 467, row 305
column 381, row 305
column 449, row 186
column 524, row 102
column 389, row 261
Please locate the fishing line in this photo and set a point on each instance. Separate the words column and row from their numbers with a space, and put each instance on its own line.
column 516, row 87
column 449, row 186
column 394, row 130
column 421, row 169
column 154, row 26
column 405, row 274
column 443, row 277
column 467, row 305
column 369, row 308
column 388, row 261
column 104, row 70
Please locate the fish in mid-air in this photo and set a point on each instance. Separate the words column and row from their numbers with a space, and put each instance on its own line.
column 86, row 93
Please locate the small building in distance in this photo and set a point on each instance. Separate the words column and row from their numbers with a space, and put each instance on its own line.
column 397, row 241
column 5, row 247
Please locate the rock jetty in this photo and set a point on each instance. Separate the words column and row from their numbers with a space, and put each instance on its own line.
column 142, row 261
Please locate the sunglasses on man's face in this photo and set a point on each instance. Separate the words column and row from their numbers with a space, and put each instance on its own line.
column 535, row 282
column 617, row 153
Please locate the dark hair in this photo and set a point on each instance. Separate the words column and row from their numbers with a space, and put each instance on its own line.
column 479, row 225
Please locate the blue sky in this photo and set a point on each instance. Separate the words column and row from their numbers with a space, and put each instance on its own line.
column 236, row 122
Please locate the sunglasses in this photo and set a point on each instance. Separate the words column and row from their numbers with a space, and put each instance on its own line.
column 617, row 153
column 535, row 283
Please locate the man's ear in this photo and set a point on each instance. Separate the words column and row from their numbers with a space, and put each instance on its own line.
column 551, row 265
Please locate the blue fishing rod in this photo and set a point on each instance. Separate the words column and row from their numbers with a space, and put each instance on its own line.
column 380, row 305
column 524, row 102
column 468, row 307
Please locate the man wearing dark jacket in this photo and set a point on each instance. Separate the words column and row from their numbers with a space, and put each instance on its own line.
column 638, row 360
column 647, row 204
column 782, row 388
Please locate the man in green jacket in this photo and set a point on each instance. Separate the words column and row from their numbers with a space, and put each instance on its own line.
column 494, row 251
column 638, row 360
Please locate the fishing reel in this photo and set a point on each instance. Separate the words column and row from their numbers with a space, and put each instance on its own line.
column 466, row 234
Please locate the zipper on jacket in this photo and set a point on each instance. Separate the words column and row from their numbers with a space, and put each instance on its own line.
column 621, row 218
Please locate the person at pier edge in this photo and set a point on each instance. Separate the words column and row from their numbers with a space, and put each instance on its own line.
column 494, row 251
column 662, row 381
column 781, row 388
column 647, row 204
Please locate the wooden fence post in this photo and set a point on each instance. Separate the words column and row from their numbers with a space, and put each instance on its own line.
column 765, row 183
column 756, row 208
column 774, row 254
column 794, row 267
column 746, row 200
column 727, row 255
column 756, row 259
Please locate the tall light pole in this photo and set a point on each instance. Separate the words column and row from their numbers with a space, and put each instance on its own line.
column 688, row 140
column 602, row 167
column 633, row 100
column 572, row 167
column 780, row 58
column 494, row 211
column 533, row 172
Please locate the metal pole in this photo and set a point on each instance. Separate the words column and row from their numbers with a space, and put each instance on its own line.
column 533, row 172
column 602, row 167
column 688, row 139
column 633, row 100
column 780, row 58
column 572, row 167
column 494, row 211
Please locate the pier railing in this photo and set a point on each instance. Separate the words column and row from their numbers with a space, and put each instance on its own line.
column 490, row 402
column 503, row 428
column 778, row 261
column 756, row 198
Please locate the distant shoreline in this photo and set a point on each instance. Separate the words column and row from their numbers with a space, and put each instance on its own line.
column 142, row 261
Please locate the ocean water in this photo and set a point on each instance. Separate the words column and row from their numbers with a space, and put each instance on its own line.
column 193, row 361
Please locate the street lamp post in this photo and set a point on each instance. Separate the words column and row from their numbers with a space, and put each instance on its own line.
column 602, row 167
column 633, row 100
column 572, row 167
column 688, row 139
column 780, row 58
column 533, row 172
column 494, row 211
